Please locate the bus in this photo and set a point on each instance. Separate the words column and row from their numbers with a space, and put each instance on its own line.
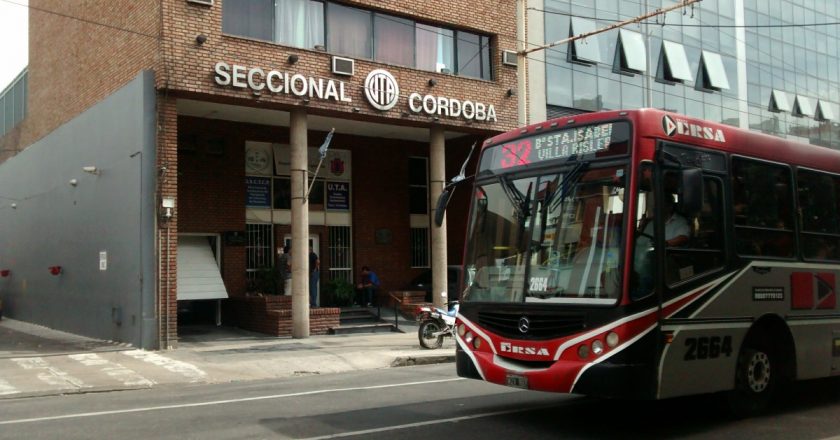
column 645, row 254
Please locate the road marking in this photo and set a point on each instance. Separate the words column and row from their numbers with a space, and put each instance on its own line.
column 6, row 388
column 426, row 423
column 126, row 376
column 51, row 375
column 191, row 372
column 220, row 402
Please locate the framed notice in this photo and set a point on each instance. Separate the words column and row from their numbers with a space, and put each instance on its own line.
column 338, row 196
column 258, row 192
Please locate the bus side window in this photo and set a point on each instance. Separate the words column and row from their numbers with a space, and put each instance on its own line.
column 762, row 208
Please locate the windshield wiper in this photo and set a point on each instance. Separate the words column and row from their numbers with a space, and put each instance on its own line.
column 571, row 178
column 519, row 201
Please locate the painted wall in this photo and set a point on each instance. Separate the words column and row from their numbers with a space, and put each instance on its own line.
column 46, row 220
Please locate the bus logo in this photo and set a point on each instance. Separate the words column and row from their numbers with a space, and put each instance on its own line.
column 381, row 89
column 524, row 324
column 673, row 126
column 507, row 347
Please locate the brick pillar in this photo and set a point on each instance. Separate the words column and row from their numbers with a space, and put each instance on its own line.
column 167, row 236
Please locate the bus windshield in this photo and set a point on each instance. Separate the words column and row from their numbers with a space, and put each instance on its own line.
column 554, row 238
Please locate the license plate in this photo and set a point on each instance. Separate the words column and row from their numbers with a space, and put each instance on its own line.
column 516, row 381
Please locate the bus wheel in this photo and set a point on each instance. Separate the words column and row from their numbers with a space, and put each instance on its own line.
column 756, row 378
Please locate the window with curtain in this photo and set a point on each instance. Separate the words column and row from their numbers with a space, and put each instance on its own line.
column 435, row 48
column 393, row 40
column 248, row 18
column 299, row 23
column 349, row 31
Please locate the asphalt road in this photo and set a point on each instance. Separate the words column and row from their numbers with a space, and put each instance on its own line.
column 426, row 402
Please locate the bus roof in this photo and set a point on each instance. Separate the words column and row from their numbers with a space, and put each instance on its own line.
column 659, row 124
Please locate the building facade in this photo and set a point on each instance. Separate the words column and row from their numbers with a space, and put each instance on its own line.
column 768, row 65
column 241, row 95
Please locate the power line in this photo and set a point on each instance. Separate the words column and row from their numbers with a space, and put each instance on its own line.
column 745, row 26
column 84, row 20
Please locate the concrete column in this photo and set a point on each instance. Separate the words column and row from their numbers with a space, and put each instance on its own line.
column 437, row 177
column 300, row 225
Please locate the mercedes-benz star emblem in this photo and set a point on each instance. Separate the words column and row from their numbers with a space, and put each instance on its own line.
column 524, row 324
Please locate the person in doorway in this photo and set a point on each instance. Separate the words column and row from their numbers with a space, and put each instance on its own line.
column 314, row 276
column 368, row 286
column 281, row 270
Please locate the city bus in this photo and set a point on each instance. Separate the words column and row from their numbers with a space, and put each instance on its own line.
column 645, row 254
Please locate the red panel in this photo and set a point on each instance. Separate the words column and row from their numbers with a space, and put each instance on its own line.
column 826, row 291
column 802, row 290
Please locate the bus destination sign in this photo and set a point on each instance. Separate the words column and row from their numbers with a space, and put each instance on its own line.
column 562, row 144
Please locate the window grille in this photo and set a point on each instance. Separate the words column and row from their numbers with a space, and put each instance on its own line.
column 258, row 249
column 341, row 262
column 419, row 247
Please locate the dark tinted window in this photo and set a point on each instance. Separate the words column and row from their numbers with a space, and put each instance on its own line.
column 349, row 31
column 819, row 205
column 762, row 208
column 249, row 18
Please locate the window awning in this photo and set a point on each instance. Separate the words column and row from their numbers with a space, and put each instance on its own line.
column 712, row 74
column 631, row 54
column 674, row 62
column 584, row 50
column 779, row 102
column 198, row 272
column 802, row 107
column 824, row 111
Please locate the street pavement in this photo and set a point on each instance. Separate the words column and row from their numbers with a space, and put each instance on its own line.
column 37, row 361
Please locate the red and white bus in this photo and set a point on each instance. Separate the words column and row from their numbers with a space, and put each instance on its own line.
column 646, row 254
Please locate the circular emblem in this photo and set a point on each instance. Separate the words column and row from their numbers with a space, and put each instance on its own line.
column 381, row 89
column 524, row 324
column 668, row 125
column 256, row 160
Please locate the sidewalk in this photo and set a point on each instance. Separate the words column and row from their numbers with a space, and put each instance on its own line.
column 36, row 361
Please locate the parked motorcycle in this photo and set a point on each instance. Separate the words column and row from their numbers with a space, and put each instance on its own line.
column 435, row 324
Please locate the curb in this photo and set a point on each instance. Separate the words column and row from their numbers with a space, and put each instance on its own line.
column 71, row 391
column 408, row 361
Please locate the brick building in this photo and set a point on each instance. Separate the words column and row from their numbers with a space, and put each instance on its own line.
column 160, row 135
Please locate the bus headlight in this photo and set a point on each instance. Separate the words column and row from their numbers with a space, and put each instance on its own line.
column 461, row 330
column 469, row 337
column 477, row 343
column 597, row 347
column 612, row 339
column 583, row 351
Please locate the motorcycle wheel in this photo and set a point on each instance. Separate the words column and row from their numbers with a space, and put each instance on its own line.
column 426, row 335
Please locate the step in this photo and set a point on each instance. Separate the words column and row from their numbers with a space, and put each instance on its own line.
column 379, row 327
column 367, row 319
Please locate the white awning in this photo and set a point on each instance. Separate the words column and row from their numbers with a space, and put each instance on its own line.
column 675, row 62
column 633, row 56
column 198, row 271
column 714, row 74
column 779, row 102
column 824, row 111
column 802, row 107
column 586, row 50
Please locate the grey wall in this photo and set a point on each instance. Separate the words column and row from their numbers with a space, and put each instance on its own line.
column 57, row 224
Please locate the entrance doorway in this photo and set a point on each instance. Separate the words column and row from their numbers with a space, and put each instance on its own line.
column 314, row 241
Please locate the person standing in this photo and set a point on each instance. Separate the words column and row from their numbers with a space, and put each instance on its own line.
column 314, row 276
column 281, row 270
column 368, row 286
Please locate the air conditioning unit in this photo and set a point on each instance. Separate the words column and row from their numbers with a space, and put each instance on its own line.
column 201, row 2
column 343, row 66
column 509, row 58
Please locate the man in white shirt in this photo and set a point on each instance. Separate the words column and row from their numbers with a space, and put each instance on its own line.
column 677, row 229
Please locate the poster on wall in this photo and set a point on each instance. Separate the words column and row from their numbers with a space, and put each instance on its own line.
column 259, row 159
column 336, row 165
column 338, row 196
column 258, row 192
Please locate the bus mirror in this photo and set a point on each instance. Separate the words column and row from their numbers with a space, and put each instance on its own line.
column 442, row 201
column 691, row 196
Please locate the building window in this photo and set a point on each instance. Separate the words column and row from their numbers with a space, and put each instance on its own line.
column 584, row 50
column 631, row 56
column 435, row 48
column 779, row 102
column 341, row 263
column 673, row 63
column 282, row 193
column 419, row 247
column 349, row 31
column 393, row 40
column 258, row 250
column 418, row 186
column 360, row 33
column 712, row 75
column 802, row 107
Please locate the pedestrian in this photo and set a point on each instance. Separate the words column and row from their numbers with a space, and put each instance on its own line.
column 368, row 286
column 281, row 270
column 314, row 275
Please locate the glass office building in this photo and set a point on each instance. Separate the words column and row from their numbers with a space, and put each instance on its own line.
column 767, row 65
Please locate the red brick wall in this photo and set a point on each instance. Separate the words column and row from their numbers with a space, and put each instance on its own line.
column 273, row 315
column 80, row 52
column 189, row 66
column 167, row 162
column 211, row 198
